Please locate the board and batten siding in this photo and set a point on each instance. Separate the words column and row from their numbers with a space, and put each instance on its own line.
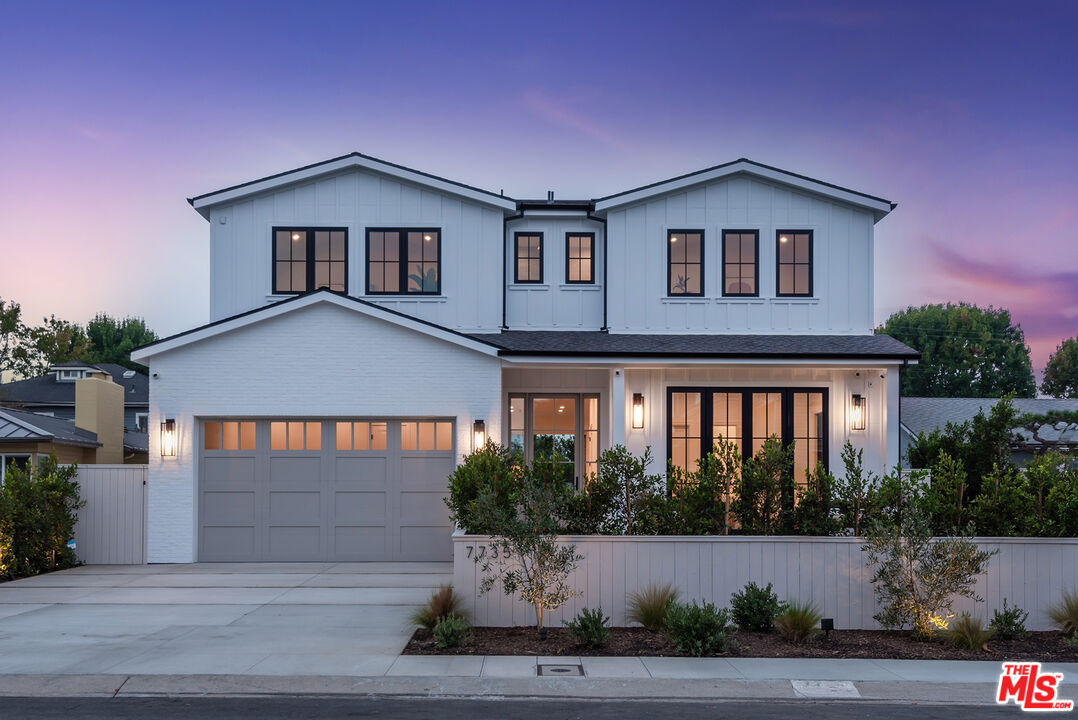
column 111, row 527
column 554, row 304
column 842, row 262
column 241, row 252
column 832, row 572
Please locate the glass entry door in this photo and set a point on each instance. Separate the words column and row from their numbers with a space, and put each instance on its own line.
column 562, row 428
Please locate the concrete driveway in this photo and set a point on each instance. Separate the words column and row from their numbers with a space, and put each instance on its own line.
column 219, row 618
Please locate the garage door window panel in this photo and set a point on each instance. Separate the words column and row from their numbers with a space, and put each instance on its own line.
column 228, row 435
column 426, row 436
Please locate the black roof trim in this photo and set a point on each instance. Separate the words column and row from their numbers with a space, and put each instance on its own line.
column 477, row 337
column 192, row 200
column 583, row 205
column 751, row 162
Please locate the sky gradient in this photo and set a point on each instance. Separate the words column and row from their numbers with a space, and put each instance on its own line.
column 965, row 113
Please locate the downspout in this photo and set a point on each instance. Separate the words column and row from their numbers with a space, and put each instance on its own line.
column 900, row 369
column 602, row 221
column 505, row 261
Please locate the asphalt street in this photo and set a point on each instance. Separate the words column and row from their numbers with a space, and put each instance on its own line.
column 270, row 708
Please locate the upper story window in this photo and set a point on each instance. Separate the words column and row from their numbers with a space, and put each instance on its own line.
column 580, row 257
column 685, row 262
column 794, row 270
column 309, row 258
column 404, row 261
column 740, row 266
column 528, row 252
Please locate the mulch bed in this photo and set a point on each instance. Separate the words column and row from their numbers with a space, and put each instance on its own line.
column 629, row 642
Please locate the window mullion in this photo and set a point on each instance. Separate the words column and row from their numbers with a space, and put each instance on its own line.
column 310, row 259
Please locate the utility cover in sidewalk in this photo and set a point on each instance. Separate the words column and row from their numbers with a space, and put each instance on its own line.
column 825, row 689
column 560, row 670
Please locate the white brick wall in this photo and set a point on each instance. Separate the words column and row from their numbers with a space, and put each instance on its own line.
column 321, row 360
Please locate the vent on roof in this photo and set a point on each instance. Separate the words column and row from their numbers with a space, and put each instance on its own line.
column 128, row 374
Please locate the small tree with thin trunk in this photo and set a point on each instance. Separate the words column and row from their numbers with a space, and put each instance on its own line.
column 524, row 556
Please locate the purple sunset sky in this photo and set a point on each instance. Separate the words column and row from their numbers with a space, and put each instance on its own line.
column 965, row 113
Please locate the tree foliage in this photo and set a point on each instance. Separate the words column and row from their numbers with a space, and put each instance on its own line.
column 112, row 339
column 1061, row 372
column 966, row 351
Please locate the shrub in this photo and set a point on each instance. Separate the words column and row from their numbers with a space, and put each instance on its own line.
column 490, row 471
column 946, row 495
column 855, row 493
column 764, row 492
column 1065, row 614
column 1005, row 506
column 754, row 608
column 1072, row 638
column 1009, row 622
column 917, row 576
column 38, row 510
column 589, row 628
column 969, row 633
column 1061, row 508
column 812, row 515
column 649, row 606
column 443, row 603
column 452, row 631
column 700, row 631
column 701, row 499
column 799, row 622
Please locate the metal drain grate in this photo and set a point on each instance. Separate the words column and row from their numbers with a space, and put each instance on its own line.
column 560, row 670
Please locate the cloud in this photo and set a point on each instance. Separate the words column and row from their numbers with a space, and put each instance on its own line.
column 1045, row 303
column 566, row 112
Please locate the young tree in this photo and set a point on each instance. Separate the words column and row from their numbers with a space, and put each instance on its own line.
column 11, row 333
column 54, row 341
column 1061, row 372
column 855, row 493
column 112, row 340
column 966, row 351
column 525, row 556
column 763, row 500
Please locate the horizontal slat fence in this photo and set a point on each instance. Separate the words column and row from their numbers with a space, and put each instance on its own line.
column 830, row 571
column 111, row 528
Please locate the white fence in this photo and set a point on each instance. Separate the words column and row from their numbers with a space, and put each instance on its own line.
column 111, row 529
column 830, row 571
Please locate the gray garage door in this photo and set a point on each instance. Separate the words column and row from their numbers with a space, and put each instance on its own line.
column 324, row 489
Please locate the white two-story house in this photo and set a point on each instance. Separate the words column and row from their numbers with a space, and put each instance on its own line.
column 371, row 324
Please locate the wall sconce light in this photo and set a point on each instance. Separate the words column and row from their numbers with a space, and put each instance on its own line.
column 479, row 434
column 638, row 411
column 858, row 411
column 168, row 438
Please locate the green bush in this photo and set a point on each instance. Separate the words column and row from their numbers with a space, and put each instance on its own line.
column 1065, row 614
column 649, row 606
column 945, row 495
column 1009, row 622
column 855, row 493
column 38, row 510
column 754, row 608
column 492, row 470
column 452, row 631
column 1004, row 507
column 815, row 501
column 589, row 628
column 699, row 630
column 442, row 603
column 799, row 622
column 969, row 633
column 764, row 492
column 1061, row 507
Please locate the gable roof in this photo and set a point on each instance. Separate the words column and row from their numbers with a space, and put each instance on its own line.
column 589, row 343
column 46, row 390
column 298, row 302
column 879, row 206
column 203, row 202
column 20, row 426
column 925, row 414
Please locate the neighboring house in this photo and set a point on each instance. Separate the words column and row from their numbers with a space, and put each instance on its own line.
column 925, row 414
column 95, row 432
column 54, row 392
column 371, row 324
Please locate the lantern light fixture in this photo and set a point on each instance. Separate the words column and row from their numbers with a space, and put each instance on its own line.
column 168, row 438
column 479, row 434
column 858, row 411
column 638, row 411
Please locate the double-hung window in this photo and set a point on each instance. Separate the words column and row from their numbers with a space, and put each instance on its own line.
column 793, row 248
column 740, row 263
column 700, row 418
column 306, row 258
column 580, row 258
column 528, row 254
column 685, row 262
column 404, row 261
column 560, row 428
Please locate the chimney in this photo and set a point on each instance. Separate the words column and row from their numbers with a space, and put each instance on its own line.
column 99, row 408
column 550, row 196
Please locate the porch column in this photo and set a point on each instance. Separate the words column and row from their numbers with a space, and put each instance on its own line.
column 892, row 432
column 617, row 406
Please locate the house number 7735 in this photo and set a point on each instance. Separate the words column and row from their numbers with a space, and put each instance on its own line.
column 480, row 552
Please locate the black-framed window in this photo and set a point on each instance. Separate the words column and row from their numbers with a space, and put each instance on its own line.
column 740, row 263
column 528, row 257
column 580, row 258
column 698, row 418
column 685, row 262
column 404, row 261
column 561, row 427
column 309, row 258
column 793, row 271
